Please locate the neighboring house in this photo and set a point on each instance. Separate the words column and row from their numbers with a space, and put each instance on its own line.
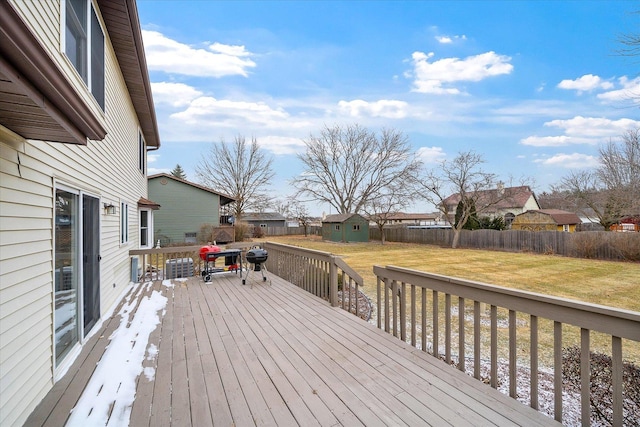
column 76, row 121
column 546, row 220
column 506, row 202
column 413, row 218
column 345, row 228
column 631, row 223
column 264, row 219
column 187, row 209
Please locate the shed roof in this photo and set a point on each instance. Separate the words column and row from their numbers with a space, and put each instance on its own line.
column 340, row 217
column 559, row 216
column 263, row 216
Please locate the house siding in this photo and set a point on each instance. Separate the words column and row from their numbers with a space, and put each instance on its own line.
column 29, row 173
column 183, row 209
column 44, row 19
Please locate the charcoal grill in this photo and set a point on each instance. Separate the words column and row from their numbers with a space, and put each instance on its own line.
column 257, row 257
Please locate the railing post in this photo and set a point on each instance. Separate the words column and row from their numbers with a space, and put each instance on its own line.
column 333, row 281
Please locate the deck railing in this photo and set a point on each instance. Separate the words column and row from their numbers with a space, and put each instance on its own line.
column 525, row 327
column 166, row 263
column 323, row 274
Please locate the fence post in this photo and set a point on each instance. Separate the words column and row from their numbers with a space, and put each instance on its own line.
column 333, row 281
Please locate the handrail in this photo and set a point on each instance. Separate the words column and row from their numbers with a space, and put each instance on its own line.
column 397, row 286
column 321, row 273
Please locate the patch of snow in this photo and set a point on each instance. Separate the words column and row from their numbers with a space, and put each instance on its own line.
column 109, row 396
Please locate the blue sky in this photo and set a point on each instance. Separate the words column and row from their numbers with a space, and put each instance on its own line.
column 533, row 86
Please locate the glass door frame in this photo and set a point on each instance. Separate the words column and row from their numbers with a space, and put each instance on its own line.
column 61, row 366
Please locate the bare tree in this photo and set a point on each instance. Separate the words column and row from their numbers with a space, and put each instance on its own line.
column 612, row 191
column 380, row 208
column 240, row 170
column 301, row 213
column 462, row 180
column 348, row 166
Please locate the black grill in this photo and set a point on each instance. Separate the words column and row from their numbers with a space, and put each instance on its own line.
column 257, row 256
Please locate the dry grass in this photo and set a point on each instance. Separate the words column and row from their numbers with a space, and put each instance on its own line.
column 610, row 283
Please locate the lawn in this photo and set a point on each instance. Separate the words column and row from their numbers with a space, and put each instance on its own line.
column 611, row 283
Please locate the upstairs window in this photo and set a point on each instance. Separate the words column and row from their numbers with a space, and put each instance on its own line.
column 142, row 153
column 84, row 45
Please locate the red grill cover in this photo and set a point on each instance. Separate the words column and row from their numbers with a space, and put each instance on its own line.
column 206, row 249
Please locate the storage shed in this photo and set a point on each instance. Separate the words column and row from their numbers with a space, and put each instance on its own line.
column 546, row 220
column 345, row 228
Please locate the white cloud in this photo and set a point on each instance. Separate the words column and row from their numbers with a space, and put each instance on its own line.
column 449, row 39
column 151, row 158
column 212, row 109
column 546, row 141
column 431, row 154
column 174, row 94
column 594, row 127
column 170, row 56
column 570, row 161
column 586, row 83
column 383, row 108
column 433, row 77
column 280, row 145
column 630, row 90
column 582, row 130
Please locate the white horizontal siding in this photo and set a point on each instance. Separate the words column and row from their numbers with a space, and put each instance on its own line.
column 106, row 169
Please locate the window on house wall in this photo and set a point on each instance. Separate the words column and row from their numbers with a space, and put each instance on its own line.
column 124, row 223
column 565, row 227
column 356, row 227
column 263, row 225
column 142, row 153
column 190, row 237
column 146, row 229
column 84, row 45
column 337, row 227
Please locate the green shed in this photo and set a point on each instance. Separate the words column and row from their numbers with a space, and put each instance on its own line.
column 186, row 207
column 345, row 228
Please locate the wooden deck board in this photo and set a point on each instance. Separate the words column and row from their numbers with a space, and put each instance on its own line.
column 229, row 354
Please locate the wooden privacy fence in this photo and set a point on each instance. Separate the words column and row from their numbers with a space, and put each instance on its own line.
column 583, row 244
column 430, row 311
column 323, row 274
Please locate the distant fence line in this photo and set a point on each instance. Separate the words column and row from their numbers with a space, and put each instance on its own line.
column 604, row 245
column 586, row 244
column 291, row 231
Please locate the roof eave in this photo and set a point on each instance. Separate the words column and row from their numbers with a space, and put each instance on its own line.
column 123, row 25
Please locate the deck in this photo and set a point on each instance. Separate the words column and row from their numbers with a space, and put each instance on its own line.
column 234, row 355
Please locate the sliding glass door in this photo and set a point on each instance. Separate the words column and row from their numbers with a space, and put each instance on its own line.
column 77, row 268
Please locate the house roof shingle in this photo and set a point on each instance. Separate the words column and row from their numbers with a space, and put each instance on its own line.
column 560, row 217
column 263, row 216
column 224, row 198
column 513, row 197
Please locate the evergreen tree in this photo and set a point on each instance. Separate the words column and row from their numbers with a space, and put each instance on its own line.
column 178, row 172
